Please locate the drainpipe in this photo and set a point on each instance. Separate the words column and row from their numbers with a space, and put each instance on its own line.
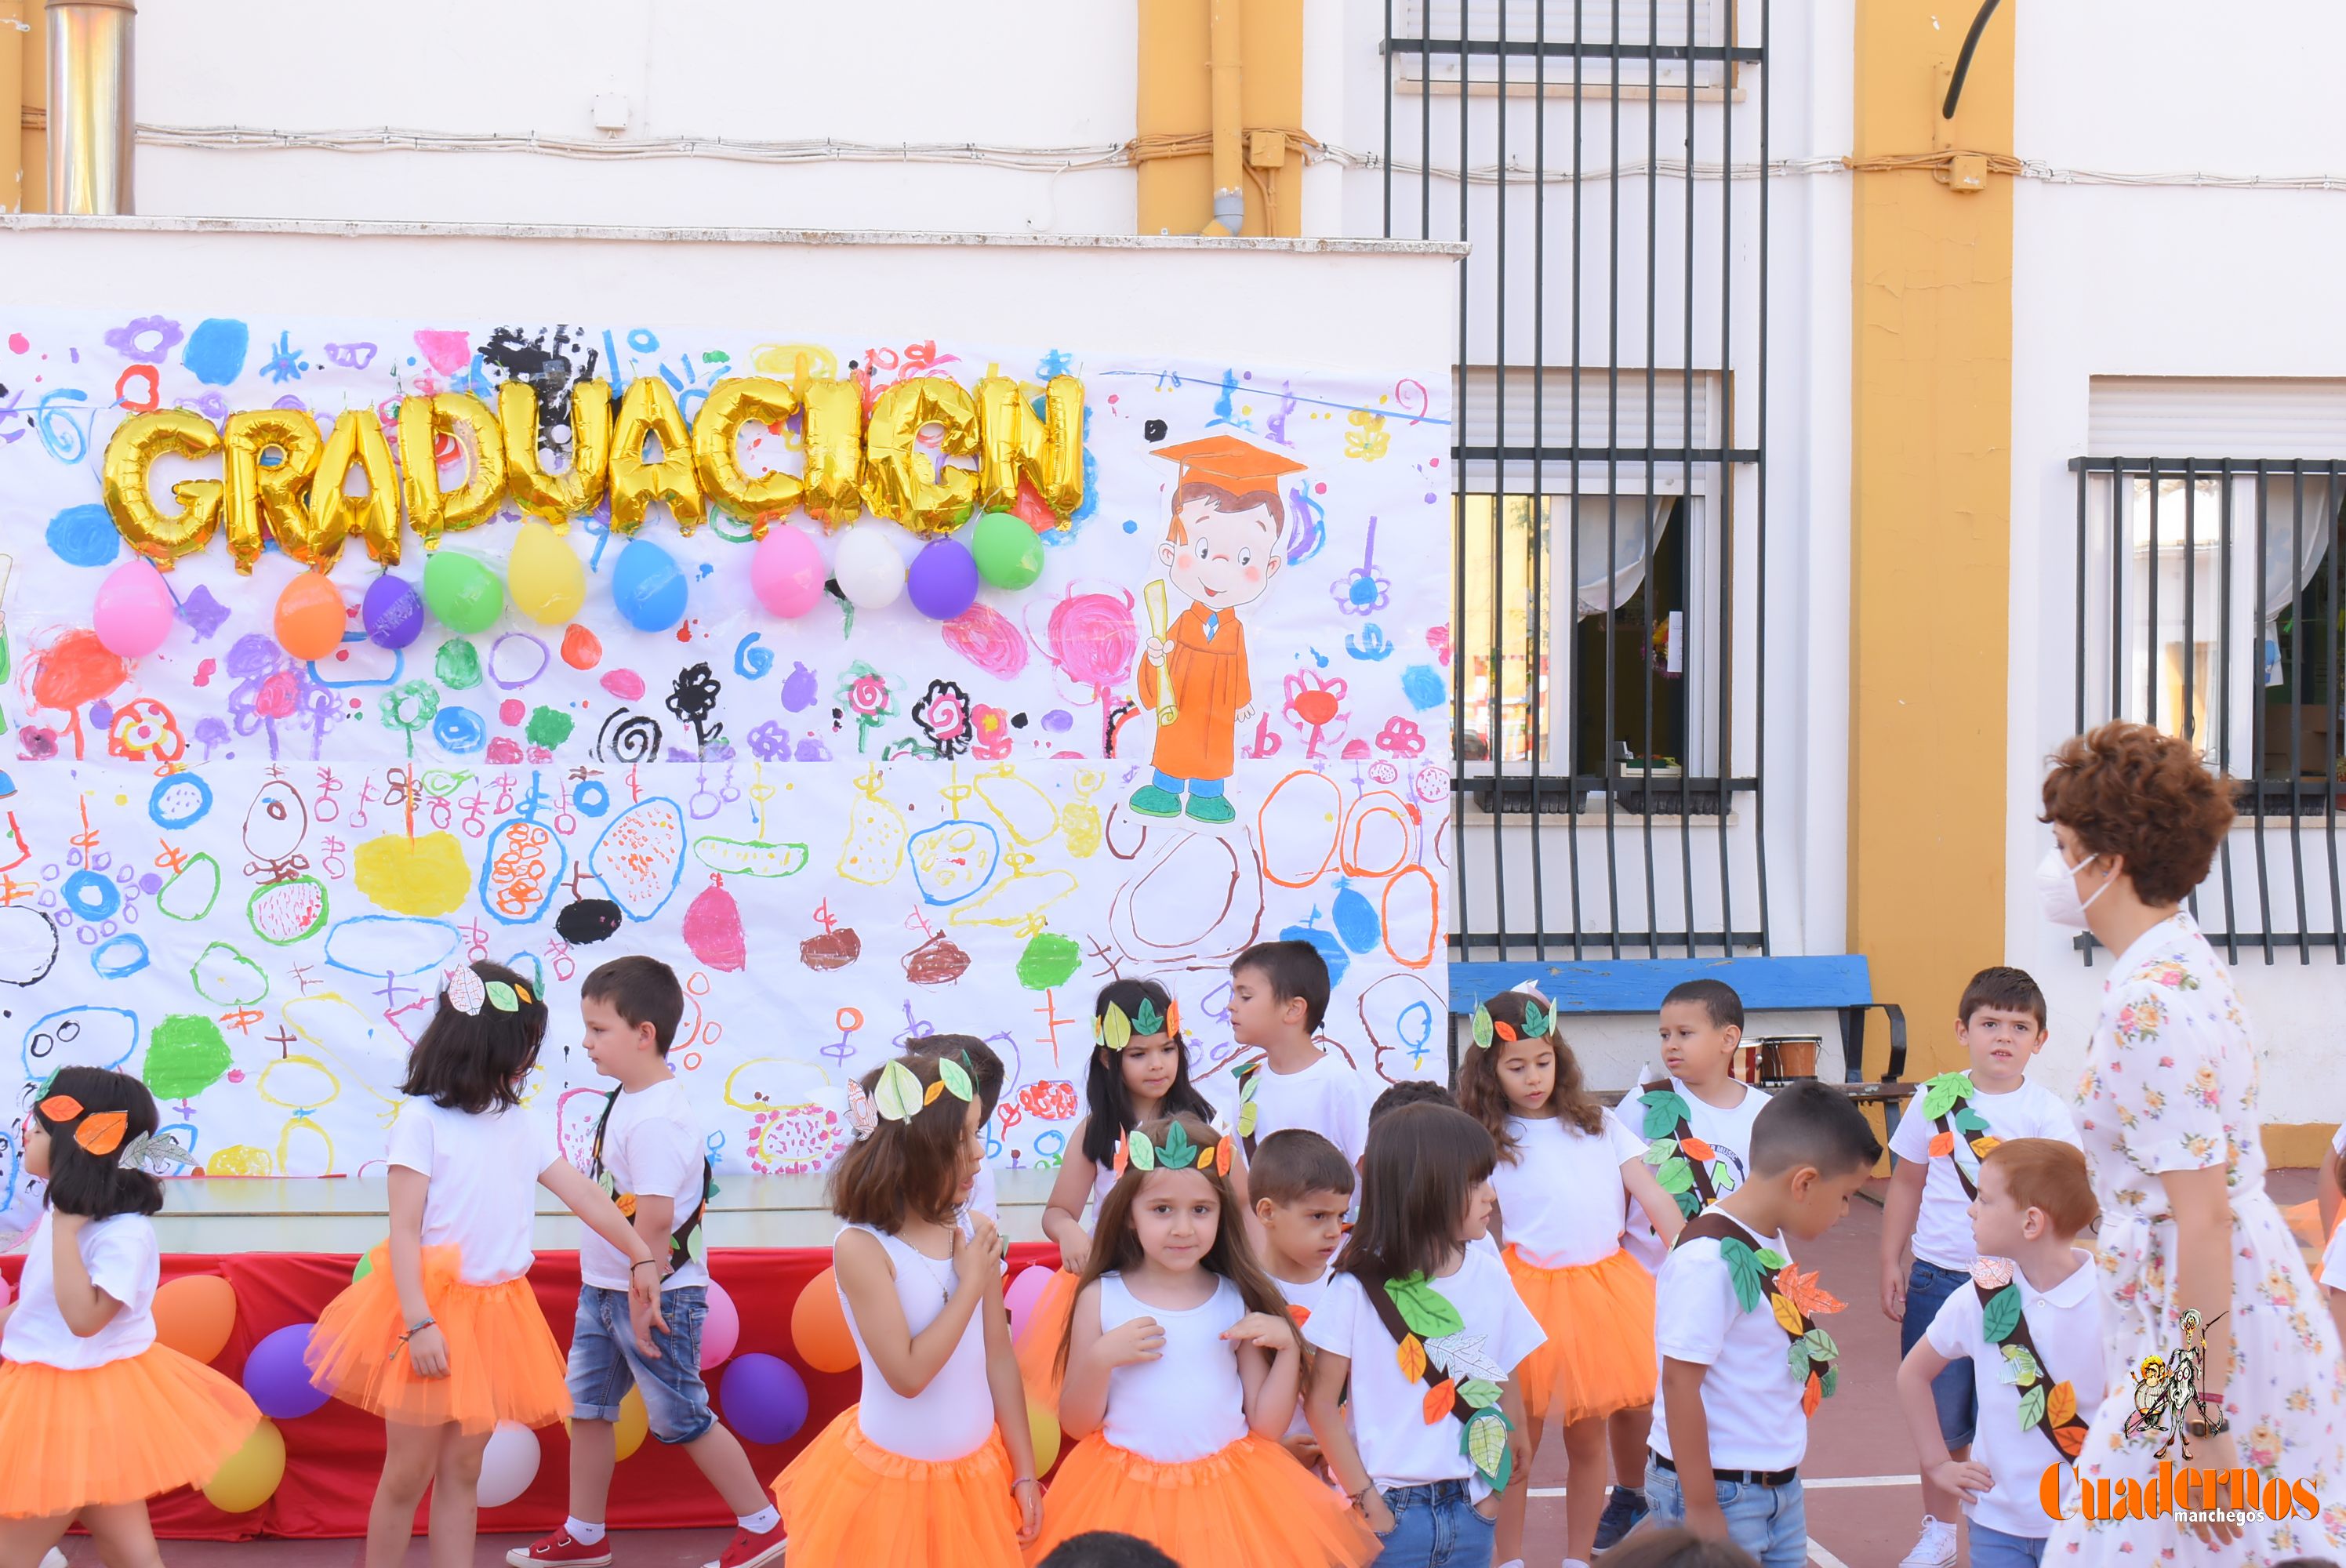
column 14, row 31
column 90, row 122
column 1230, row 154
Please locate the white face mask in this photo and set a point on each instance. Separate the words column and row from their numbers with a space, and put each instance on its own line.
column 2057, row 888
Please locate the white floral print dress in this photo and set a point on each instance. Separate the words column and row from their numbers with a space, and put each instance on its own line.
column 2170, row 1085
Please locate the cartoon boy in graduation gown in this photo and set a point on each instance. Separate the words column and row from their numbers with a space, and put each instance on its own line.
column 1220, row 552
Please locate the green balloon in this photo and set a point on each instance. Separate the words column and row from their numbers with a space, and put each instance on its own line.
column 464, row 594
column 365, row 1268
column 1009, row 554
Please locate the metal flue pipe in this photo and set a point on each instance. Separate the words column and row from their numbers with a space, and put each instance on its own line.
column 90, row 118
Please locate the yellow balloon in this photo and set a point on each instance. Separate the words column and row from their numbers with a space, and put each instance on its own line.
column 832, row 490
column 544, row 578
column 1012, row 444
column 650, row 410
column 333, row 516
column 136, row 443
column 633, row 1422
column 1044, row 1428
column 430, row 509
column 900, row 480
column 266, row 501
column 249, row 1477
column 733, row 402
column 573, row 493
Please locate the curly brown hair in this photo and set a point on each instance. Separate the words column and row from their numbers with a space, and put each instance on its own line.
column 1481, row 1097
column 2128, row 791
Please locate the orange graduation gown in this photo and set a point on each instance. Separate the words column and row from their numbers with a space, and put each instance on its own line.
column 1209, row 677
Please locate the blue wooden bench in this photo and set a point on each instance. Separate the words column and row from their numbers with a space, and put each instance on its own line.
column 1842, row 983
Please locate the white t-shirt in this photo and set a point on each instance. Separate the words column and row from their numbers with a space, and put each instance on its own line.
column 483, row 1171
column 1388, row 1411
column 1749, row 1396
column 1190, row 1403
column 1727, row 1131
column 954, row 1416
column 2066, row 1324
column 1327, row 1097
column 1560, row 1201
column 652, row 1146
column 123, row 1260
column 1942, row 1230
column 1302, row 1301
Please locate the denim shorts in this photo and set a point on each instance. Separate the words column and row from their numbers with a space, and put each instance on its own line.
column 1771, row 1523
column 605, row 1362
column 1928, row 1286
column 1995, row 1548
column 1435, row 1527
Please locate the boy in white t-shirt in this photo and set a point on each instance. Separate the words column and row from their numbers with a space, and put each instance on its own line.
column 1299, row 1186
column 1953, row 1120
column 2028, row 1285
column 650, row 1156
column 1743, row 1363
column 1278, row 995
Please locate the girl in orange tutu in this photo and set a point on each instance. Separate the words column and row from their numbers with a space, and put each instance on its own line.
column 95, row 1416
column 1181, row 1369
column 442, row 1337
column 1564, row 1168
column 1140, row 1070
column 936, row 1463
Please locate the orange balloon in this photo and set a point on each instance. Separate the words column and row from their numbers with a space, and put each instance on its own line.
column 310, row 617
column 819, row 1326
column 194, row 1315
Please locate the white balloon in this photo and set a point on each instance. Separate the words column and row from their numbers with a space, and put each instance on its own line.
column 508, row 1464
column 869, row 569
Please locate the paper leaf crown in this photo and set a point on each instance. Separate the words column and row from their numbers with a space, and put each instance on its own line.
column 1115, row 1028
column 1175, row 1152
column 101, row 1133
column 899, row 1096
column 467, row 991
column 1538, row 1020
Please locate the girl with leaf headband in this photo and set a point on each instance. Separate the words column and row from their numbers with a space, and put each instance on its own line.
column 1566, row 1169
column 936, row 1462
column 1182, row 1372
column 441, row 1336
column 95, row 1416
column 1138, row 1071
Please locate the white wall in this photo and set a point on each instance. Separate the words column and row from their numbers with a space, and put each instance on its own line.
column 2164, row 280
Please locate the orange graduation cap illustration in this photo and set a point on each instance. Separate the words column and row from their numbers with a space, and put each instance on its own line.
column 1221, row 551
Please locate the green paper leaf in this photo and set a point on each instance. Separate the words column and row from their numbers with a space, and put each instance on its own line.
column 1771, row 1259
column 1743, row 1271
column 696, row 1248
column 1821, row 1346
column 898, row 1097
column 1664, row 1111
column 1536, row 1020
column 1177, row 1153
column 1147, row 1021
column 1142, row 1152
column 956, row 1080
column 1940, row 1094
column 1659, row 1150
column 1970, row 1121
column 1485, row 1443
column 2001, row 1316
column 501, row 997
column 1798, row 1359
column 1481, row 1026
column 2020, row 1368
column 1676, row 1176
column 1247, row 1115
column 2032, row 1407
column 1477, row 1394
column 1689, row 1202
column 1116, row 1029
column 1423, row 1308
column 1828, row 1382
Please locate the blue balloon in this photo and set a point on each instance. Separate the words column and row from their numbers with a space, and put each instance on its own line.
column 648, row 587
column 764, row 1396
column 278, row 1380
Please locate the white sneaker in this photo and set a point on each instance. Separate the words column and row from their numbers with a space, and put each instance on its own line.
column 56, row 1559
column 1936, row 1549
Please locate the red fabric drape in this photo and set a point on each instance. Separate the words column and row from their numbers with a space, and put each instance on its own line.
column 333, row 1456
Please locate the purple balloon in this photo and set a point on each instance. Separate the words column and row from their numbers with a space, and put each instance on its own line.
column 392, row 612
column 943, row 580
column 764, row 1396
column 277, row 1377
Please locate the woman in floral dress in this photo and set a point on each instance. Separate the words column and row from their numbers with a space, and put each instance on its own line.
column 2167, row 1109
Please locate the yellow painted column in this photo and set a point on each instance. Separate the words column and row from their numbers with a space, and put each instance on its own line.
column 1175, row 101
column 1270, row 98
column 1931, row 515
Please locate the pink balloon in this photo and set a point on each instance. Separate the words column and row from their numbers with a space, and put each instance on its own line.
column 721, row 1330
column 1024, row 1292
column 134, row 610
column 787, row 573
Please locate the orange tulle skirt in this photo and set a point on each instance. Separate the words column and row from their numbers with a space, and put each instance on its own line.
column 1599, row 1354
column 847, row 1502
column 1039, row 1347
column 502, row 1363
column 1248, row 1506
column 122, row 1432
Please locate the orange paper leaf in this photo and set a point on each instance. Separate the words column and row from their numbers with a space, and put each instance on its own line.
column 1813, row 1396
column 2069, row 1439
column 1122, row 1157
column 1412, row 1358
column 1694, row 1148
column 60, row 1108
column 1805, row 1292
column 1505, row 1030
column 1942, row 1144
column 1437, row 1400
column 102, row 1133
column 1222, row 1157
column 1299, row 1313
column 934, row 1089
column 2061, row 1405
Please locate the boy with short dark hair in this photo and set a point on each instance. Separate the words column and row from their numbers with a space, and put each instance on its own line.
column 986, row 1070
column 1299, row 1186
column 1410, row 1092
column 1952, row 1123
column 1279, row 997
column 1743, row 1362
column 650, row 1155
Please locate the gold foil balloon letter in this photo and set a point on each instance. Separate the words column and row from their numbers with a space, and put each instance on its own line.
column 650, row 411
column 266, row 499
column 1013, row 444
column 902, row 482
column 333, row 515
column 422, row 421
column 556, row 497
column 733, row 402
column 833, row 491
column 137, row 441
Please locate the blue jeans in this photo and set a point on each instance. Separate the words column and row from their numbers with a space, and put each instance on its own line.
column 1928, row 1286
column 1771, row 1523
column 1435, row 1527
column 605, row 1363
column 1205, row 787
column 1995, row 1548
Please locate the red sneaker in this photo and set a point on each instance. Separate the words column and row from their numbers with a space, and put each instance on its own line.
column 747, row 1550
column 559, row 1548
